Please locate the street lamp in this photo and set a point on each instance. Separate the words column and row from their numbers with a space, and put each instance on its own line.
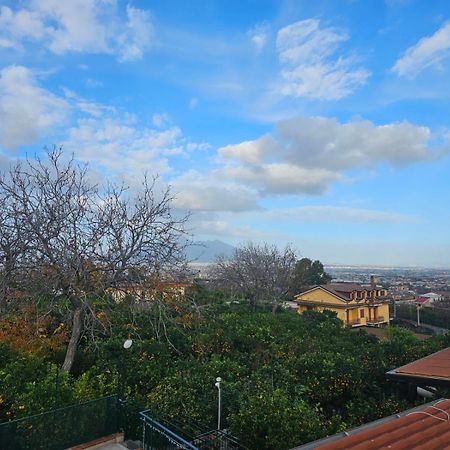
column 126, row 345
column 219, row 406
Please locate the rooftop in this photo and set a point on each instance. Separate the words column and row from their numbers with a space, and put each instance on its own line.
column 426, row 427
column 435, row 367
column 344, row 290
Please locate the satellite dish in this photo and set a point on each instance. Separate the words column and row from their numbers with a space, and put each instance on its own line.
column 128, row 343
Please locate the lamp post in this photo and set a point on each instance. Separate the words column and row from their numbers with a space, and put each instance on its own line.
column 126, row 345
column 219, row 406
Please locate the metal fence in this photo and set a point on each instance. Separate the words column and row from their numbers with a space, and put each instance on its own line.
column 63, row 427
column 159, row 433
column 73, row 425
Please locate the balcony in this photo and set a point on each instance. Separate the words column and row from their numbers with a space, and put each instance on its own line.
column 354, row 323
column 377, row 321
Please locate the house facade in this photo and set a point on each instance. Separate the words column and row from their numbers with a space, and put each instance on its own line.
column 354, row 304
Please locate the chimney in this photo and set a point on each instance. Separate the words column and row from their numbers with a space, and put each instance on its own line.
column 374, row 280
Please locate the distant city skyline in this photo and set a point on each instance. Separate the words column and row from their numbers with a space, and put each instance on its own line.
column 321, row 124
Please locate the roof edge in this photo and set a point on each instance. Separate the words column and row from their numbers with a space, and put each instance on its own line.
column 334, row 437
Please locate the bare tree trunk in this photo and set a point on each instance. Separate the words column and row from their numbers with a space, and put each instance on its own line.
column 77, row 322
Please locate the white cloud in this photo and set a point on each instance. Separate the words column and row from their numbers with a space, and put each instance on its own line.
column 223, row 229
column 309, row 69
column 25, row 24
column 117, row 146
column 429, row 51
column 282, row 178
column 306, row 154
column 332, row 214
column 258, row 36
column 92, row 26
column 197, row 192
column 136, row 35
column 326, row 143
column 27, row 111
column 161, row 120
column 251, row 151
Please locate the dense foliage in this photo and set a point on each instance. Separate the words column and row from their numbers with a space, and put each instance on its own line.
column 308, row 273
column 287, row 379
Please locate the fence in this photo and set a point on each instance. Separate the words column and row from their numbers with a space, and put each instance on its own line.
column 63, row 427
column 436, row 316
column 162, row 434
column 73, row 425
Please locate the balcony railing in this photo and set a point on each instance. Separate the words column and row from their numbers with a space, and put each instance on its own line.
column 379, row 319
column 354, row 323
column 63, row 427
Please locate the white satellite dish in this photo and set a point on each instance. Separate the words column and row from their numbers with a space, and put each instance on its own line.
column 128, row 343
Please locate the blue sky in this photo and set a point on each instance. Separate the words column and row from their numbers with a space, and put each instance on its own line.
column 323, row 124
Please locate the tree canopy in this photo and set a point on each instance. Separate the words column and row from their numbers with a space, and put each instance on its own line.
column 308, row 273
column 69, row 240
column 287, row 378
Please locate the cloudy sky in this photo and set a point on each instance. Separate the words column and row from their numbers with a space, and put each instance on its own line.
column 323, row 124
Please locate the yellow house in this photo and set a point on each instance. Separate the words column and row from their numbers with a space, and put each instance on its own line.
column 354, row 304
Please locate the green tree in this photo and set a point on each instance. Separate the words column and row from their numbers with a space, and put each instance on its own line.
column 271, row 420
column 308, row 273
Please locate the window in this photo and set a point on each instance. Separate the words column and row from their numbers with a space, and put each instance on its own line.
column 361, row 314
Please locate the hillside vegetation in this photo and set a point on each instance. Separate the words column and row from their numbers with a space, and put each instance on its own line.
column 287, row 379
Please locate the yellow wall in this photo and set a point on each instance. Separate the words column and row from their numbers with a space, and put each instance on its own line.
column 340, row 312
column 353, row 314
column 383, row 310
column 320, row 296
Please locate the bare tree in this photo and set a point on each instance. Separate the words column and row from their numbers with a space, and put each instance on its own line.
column 262, row 273
column 78, row 240
column 12, row 244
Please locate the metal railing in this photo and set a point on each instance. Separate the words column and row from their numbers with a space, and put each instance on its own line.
column 63, row 427
column 160, row 434
column 378, row 319
column 156, row 436
column 217, row 440
column 78, row 424
column 354, row 322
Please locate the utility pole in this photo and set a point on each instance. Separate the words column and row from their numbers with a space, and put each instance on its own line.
column 219, row 406
column 418, row 315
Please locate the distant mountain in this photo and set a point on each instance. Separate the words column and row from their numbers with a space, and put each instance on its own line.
column 208, row 251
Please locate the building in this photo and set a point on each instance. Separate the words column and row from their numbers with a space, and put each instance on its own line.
column 432, row 370
column 353, row 303
column 142, row 292
column 423, row 301
column 433, row 297
column 425, row 427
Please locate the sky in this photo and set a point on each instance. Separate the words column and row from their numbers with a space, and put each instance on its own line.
column 324, row 125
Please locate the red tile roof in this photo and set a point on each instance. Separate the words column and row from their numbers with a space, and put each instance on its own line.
column 424, row 428
column 422, row 300
column 434, row 366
